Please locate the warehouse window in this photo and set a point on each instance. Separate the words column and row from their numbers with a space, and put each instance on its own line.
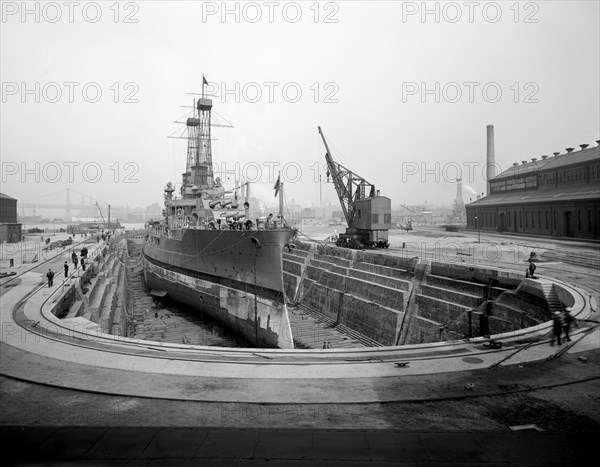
column 387, row 218
column 375, row 218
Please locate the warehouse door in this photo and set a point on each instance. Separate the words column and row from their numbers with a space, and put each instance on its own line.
column 568, row 224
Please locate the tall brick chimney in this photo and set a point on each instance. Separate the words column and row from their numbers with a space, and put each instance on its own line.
column 491, row 157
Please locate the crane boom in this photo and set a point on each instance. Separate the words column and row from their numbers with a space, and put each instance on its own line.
column 348, row 185
column 101, row 215
column 370, row 227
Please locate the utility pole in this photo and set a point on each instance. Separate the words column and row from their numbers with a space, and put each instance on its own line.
column 68, row 214
column 320, row 198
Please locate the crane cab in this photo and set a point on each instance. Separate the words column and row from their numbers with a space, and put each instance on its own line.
column 371, row 223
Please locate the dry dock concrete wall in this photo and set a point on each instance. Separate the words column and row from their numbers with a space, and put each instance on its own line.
column 396, row 300
column 100, row 293
column 362, row 290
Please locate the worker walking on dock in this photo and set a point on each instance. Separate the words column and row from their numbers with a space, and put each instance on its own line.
column 567, row 321
column 74, row 258
column 83, row 263
column 557, row 328
column 50, row 276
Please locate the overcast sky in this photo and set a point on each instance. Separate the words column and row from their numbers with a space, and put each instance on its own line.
column 402, row 90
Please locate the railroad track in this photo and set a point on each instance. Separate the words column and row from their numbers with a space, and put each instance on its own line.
column 6, row 281
column 590, row 259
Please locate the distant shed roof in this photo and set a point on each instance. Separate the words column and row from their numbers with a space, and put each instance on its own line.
column 3, row 196
column 555, row 162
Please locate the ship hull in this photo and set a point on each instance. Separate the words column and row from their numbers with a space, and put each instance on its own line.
column 233, row 276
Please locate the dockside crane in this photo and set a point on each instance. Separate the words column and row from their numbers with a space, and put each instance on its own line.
column 108, row 225
column 100, row 211
column 368, row 215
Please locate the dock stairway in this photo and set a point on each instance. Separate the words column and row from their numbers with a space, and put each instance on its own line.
column 554, row 304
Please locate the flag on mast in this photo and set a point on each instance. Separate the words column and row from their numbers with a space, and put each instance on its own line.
column 277, row 185
column 204, row 83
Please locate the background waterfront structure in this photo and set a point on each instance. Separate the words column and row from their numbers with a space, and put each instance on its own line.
column 557, row 196
column 10, row 229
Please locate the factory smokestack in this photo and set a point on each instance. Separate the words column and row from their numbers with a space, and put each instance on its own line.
column 459, row 201
column 491, row 157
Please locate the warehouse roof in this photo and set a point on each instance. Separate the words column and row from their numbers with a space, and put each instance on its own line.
column 549, row 163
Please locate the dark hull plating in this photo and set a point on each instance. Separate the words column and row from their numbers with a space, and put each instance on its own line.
column 235, row 276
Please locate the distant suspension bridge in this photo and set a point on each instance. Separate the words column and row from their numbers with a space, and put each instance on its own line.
column 89, row 207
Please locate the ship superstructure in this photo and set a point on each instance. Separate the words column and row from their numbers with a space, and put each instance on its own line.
column 207, row 253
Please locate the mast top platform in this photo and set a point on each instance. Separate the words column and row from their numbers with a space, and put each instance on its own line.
column 204, row 104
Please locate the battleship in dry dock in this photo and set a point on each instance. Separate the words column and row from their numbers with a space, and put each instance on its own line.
column 209, row 254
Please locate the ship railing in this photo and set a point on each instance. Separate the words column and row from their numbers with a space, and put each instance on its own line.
column 168, row 232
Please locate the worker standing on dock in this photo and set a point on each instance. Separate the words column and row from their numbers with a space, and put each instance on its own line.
column 532, row 269
column 83, row 263
column 66, row 267
column 75, row 260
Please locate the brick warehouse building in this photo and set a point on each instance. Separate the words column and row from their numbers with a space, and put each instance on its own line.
column 10, row 229
column 557, row 196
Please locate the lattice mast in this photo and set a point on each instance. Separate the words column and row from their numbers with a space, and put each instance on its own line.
column 199, row 169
